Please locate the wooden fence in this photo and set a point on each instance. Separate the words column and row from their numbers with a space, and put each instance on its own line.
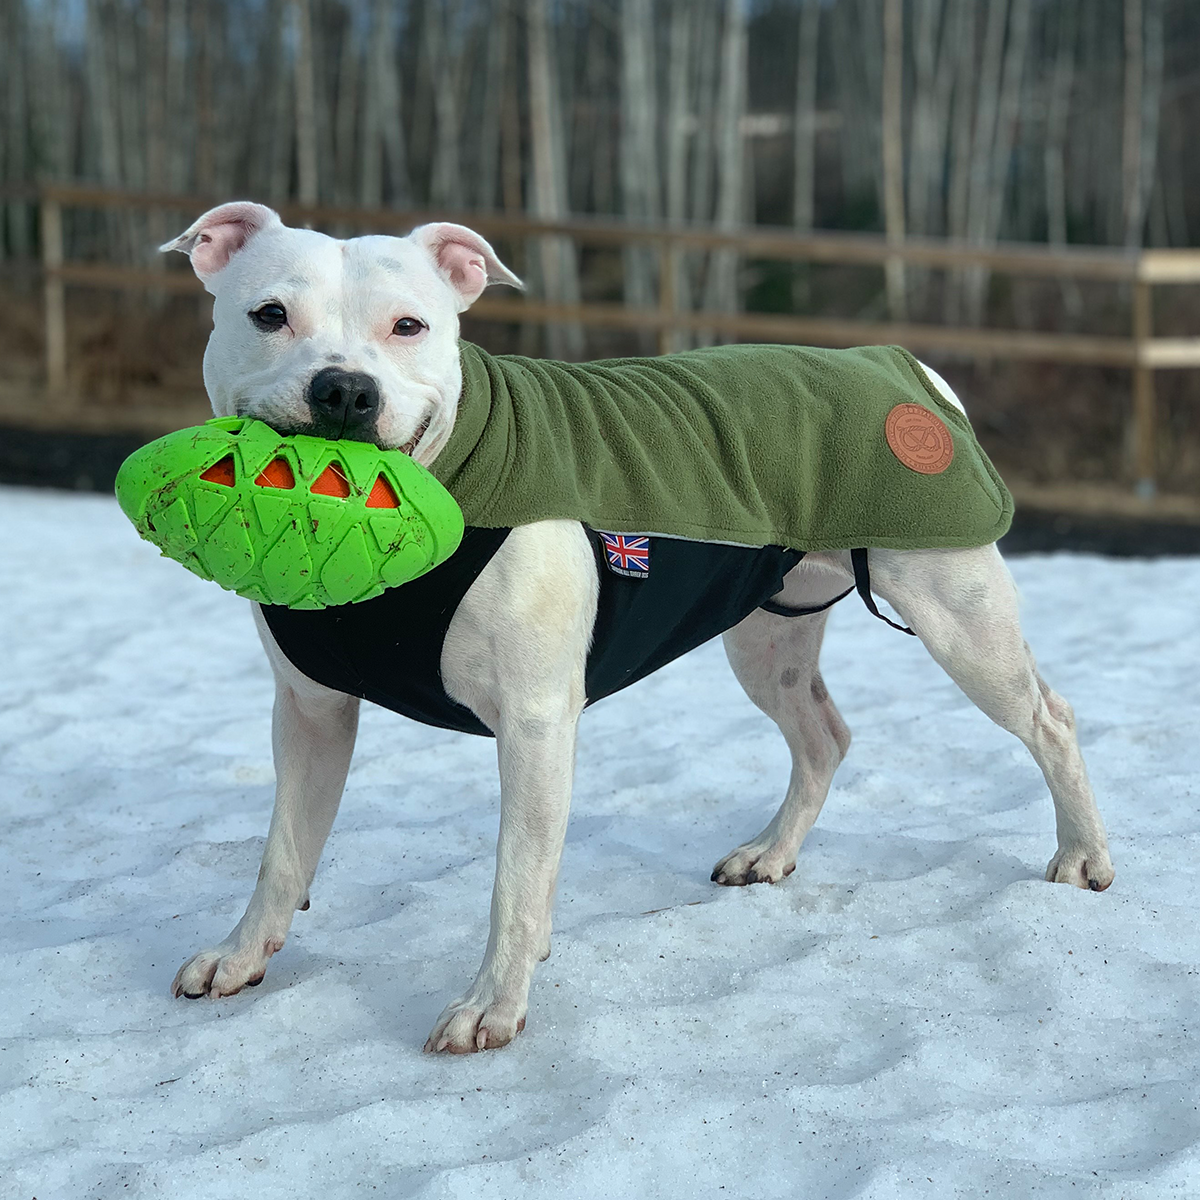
column 1139, row 270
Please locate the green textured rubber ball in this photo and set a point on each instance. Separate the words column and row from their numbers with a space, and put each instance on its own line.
column 299, row 521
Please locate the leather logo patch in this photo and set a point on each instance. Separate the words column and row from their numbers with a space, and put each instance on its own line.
column 919, row 439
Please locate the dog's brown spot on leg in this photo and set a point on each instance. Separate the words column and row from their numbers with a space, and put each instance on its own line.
column 789, row 677
column 819, row 692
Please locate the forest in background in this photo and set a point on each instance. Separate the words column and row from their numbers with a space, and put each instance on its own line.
column 1036, row 120
column 1058, row 121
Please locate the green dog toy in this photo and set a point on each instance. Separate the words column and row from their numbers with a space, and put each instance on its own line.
column 298, row 521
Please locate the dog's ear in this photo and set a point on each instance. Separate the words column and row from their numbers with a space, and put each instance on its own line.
column 217, row 236
column 464, row 259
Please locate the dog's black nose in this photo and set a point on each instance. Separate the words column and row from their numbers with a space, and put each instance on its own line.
column 343, row 403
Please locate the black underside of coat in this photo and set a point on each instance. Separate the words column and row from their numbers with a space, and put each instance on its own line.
column 388, row 650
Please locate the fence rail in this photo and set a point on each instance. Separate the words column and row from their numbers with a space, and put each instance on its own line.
column 1140, row 270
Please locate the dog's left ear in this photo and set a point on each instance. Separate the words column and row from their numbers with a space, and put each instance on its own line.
column 465, row 259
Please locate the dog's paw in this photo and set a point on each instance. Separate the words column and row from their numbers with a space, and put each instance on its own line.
column 755, row 862
column 1082, row 867
column 467, row 1026
column 224, row 970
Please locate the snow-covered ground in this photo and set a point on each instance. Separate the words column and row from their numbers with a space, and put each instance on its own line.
column 912, row 1013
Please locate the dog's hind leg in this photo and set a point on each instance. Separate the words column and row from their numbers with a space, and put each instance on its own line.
column 963, row 606
column 313, row 732
column 775, row 660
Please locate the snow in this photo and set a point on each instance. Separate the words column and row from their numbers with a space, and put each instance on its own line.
column 912, row 1013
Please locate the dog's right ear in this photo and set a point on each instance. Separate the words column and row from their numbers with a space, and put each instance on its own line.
column 217, row 236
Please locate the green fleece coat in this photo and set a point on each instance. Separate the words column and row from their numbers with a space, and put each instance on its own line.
column 755, row 445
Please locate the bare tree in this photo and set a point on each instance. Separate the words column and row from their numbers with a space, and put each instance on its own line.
column 891, row 137
column 306, row 105
column 558, row 268
column 639, row 151
column 1005, row 43
column 1058, row 107
column 16, row 165
column 491, row 118
column 722, row 295
column 935, row 28
column 804, row 136
column 445, row 61
column 1143, row 89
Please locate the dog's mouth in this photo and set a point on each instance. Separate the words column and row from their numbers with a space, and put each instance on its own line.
column 289, row 428
column 413, row 442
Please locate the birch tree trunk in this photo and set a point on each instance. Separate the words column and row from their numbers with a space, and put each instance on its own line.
column 445, row 189
column 682, row 37
column 1143, row 95
column 804, row 140
column 639, row 156
column 1058, row 111
column 392, row 113
column 355, row 104
column 307, row 191
column 380, row 109
column 203, row 35
column 279, row 85
column 891, row 138
column 935, row 28
column 102, row 110
column 963, row 119
column 155, row 64
column 491, row 121
column 52, row 127
column 722, row 293
column 16, row 137
column 707, row 77
column 558, row 267
column 1131, row 141
column 995, row 127
column 180, row 135
column 601, row 157
column 804, row 118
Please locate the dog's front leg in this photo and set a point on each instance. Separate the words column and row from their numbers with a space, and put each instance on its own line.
column 313, row 733
column 516, row 653
column 537, row 755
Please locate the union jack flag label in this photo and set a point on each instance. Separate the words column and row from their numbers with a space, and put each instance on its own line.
column 627, row 555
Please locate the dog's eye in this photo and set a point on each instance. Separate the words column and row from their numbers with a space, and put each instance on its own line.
column 269, row 316
column 407, row 327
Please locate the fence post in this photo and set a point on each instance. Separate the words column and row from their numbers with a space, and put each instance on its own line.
column 56, row 309
column 1145, row 414
column 668, row 299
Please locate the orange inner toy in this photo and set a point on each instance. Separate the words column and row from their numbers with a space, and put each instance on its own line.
column 382, row 495
column 221, row 472
column 277, row 474
column 332, row 482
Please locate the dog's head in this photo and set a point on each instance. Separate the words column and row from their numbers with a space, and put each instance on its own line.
column 355, row 339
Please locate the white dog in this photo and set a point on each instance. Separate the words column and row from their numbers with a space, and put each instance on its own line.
column 379, row 317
